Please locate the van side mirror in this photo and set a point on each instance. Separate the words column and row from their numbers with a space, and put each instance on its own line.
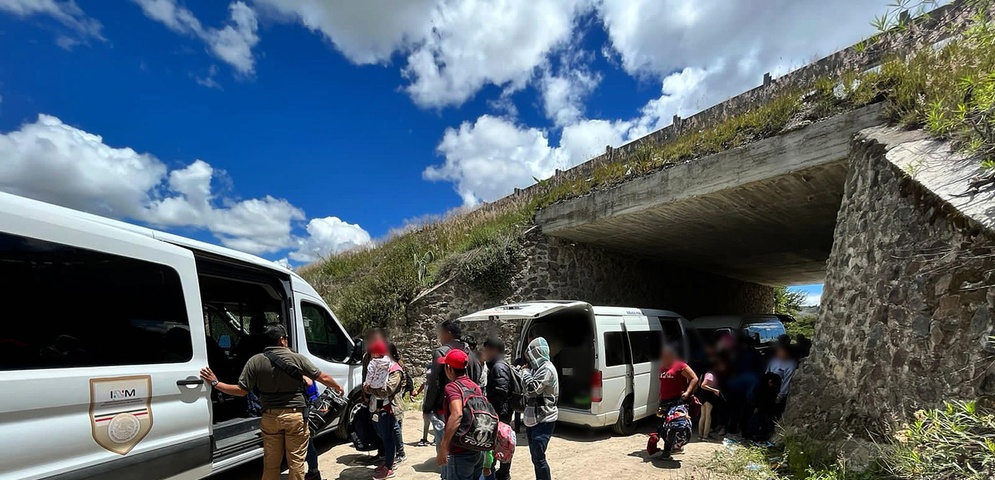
column 358, row 349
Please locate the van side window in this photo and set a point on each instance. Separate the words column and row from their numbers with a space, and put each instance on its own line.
column 324, row 337
column 645, row 346
column 672, row 334
column 616, row 349
column 72, row 307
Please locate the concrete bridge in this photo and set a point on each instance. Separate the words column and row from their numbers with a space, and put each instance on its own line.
column 763, row 213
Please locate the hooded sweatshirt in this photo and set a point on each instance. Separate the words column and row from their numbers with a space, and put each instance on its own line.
column 542, row 386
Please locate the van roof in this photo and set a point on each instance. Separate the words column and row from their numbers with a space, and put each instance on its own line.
column 55, row 212
column 735, row 321
column 541, row 308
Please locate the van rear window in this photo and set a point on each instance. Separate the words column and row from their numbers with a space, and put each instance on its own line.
column 71, row 307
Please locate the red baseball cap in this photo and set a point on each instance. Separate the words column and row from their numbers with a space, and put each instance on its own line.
column 456, row 358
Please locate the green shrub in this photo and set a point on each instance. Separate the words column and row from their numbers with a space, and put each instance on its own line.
column 956, row 442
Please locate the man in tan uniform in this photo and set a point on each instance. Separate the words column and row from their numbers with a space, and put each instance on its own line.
column 278, row 374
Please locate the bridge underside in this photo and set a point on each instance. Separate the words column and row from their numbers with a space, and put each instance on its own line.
column 763, row 213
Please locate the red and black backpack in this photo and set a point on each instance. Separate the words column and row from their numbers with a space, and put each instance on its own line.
column 479, row 426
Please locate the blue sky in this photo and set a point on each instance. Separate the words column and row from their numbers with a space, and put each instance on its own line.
column 298, row 128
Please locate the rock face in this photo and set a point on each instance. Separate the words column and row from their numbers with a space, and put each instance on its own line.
column 549, row 268
column 907, row 306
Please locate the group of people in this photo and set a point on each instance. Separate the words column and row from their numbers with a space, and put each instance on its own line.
column 742, row 393
column 458, row 373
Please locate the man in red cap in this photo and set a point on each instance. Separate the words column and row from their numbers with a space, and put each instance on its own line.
column 457, row 463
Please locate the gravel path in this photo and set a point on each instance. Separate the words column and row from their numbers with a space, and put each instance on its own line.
column 573, row 453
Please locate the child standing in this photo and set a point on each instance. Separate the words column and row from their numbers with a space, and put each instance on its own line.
column 711, row 397
column 426, row 416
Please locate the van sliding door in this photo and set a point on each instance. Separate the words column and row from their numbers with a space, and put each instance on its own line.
column 644, row 342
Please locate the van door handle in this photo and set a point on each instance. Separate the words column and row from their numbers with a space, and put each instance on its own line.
column 190, row 381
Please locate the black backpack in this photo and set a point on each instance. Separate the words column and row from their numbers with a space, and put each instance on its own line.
column 478, row 427
column 516, row 390
column 364, row 435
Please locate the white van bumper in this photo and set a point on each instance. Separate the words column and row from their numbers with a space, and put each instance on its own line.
column 586, row 418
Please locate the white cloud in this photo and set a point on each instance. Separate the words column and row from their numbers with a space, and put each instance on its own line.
column 452, row 48
column 367, row 31
column 329, row 235
column 492, row 155
column 65, row 12
column 563, row 95
column 57, row 163
column 479, row 42
column 232, row 43
column 720, row 49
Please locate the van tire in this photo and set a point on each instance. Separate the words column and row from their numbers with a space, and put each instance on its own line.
column 626, row 424
column 345, row 423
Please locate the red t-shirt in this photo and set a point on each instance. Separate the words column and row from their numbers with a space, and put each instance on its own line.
column 673, row 383
column 453, row 391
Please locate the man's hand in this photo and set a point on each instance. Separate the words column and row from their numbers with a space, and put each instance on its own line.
column 208, row 375
column 442, row 457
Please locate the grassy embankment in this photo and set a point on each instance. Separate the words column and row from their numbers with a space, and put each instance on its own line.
column 949, row 92
column 956, row 442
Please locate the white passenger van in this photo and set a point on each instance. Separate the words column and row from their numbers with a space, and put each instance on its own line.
column 104, row 329
column 607, row 358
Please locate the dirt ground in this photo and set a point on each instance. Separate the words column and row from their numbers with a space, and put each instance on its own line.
column 573, row 453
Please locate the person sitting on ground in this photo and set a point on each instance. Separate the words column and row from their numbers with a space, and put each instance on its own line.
column 542, row 392
column 498, row 389
column 457, row 463
column 277, row 374
column 677, row 384
column 385, row 405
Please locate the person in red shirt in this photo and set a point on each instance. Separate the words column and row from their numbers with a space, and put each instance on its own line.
column 677, row 380
column 457, row 463
column 677, row 384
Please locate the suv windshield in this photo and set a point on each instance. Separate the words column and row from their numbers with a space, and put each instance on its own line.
column 766, row 332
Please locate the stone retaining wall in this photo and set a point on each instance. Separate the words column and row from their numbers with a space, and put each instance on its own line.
column 907, row 306
column 550, row 268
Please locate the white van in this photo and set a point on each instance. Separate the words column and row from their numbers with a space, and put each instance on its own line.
column 105, row 327
column 607, row 358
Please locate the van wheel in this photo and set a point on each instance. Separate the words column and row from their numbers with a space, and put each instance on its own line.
column 342, row 431
column 626, row 424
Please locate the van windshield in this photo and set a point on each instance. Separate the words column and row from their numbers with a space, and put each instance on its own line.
column 766, row 332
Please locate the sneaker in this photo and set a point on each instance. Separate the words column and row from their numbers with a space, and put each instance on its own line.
column 382, row 472
column 400, row 459
column 423, row 443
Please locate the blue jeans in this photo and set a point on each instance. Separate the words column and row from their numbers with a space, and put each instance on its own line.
column 398, row 440
column 464, row 466
column 538, row 441
column 312, row 456
column 385, row 429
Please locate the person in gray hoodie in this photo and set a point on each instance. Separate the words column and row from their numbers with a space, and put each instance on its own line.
column 542, row 391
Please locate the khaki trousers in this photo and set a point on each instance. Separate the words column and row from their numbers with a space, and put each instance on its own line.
column 284, row 434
